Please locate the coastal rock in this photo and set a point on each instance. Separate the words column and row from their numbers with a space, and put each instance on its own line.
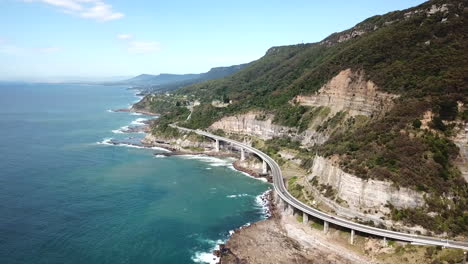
column 133, row 110
column 178, row 144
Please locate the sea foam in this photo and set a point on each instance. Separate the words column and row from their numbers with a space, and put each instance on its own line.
column 237, row 195
column 106, row 141
column 121, row 130
column 139, row 121
column 263, row 204
column 208, row 257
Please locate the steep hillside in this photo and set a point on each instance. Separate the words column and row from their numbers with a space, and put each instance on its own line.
column 383, row 101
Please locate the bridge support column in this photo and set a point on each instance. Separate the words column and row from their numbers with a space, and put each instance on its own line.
column 351, row 240
column 217, row 145
column 464, row 258
column 325, row 227
column 264, row 167
column 384, row 242
column 305, row 218
column 242, row 154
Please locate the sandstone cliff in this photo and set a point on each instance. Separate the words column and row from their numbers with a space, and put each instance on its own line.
column 250, row 124
column 355, row 197
column 351, row 92
column 363, row 194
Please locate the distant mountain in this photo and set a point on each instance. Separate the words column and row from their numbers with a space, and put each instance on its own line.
column 160, row 79
column 164, row 82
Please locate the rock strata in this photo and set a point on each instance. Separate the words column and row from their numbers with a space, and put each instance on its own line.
column 250, row 124
column 361, row 195
column 351, row 92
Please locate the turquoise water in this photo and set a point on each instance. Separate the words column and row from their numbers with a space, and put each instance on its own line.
column 64, row 198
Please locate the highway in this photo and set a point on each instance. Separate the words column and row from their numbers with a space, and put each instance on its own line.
column 283, row 193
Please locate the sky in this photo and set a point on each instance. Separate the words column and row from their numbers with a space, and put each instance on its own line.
column 60, row 39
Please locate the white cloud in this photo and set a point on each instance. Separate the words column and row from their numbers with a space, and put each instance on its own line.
column 123, row 36
column 144, row 46
column 102, row 12
column 92, row 9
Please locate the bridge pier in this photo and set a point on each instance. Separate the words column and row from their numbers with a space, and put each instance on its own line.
column 217, row 145
column 351, row 240
column 385, row 242
column 325, row 227
column 264, row 167
column 305, row 218
column 242, row 154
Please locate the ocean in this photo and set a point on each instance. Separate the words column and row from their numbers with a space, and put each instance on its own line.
column 66, row 196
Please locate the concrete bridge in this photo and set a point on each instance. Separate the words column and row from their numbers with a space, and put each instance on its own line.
column 287, row 202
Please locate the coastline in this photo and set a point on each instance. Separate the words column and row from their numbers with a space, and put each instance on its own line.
column 264, row 200
column 131, row 110
column 247, row 243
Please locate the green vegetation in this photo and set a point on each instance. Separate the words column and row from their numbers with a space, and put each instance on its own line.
column 315, row 223
column 299, row 218
column 295, row 189
column 419, row 57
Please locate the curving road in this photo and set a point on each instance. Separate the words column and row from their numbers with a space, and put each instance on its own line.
column 282, row 192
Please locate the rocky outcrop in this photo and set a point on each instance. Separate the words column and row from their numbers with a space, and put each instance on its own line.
column 249, row 124
column 461, row 140
column 363, row 195
column 436, row 9
column 351, row 92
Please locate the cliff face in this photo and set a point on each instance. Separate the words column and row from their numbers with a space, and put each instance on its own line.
column 350, row 91
column 249, row 124
column 360, row 194
column 357, row 198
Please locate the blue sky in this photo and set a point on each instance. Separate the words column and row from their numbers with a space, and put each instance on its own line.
column 47, row 39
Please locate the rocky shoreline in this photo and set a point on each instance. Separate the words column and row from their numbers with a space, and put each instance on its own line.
column 246, row 244
column 131, row 110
